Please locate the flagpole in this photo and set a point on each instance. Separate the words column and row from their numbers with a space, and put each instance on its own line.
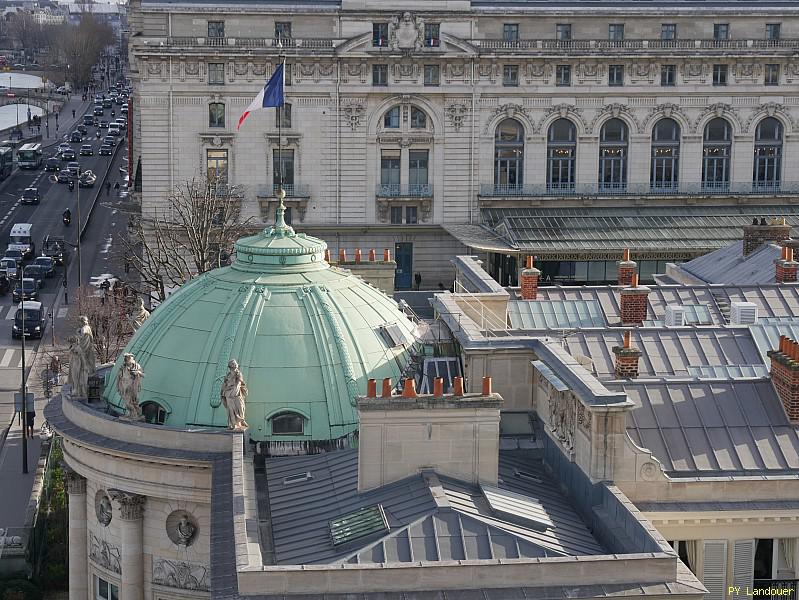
column 282, row 60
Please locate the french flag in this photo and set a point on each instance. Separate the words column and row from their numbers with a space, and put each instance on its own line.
column 270, row 95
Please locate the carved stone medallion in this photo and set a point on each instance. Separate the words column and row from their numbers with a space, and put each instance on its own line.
column 182, row 527
column 102, row 508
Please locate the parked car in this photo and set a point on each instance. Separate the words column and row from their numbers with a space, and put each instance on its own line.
column 25, row 290
column 86, row 150
column 106, row 150
column 47, row 264
column 68, row 154
column 87, row 179
column 30, row 196
column 76, row 137
column 73, row 168
column 34, row 320
column 52, row 164
column 64, row 176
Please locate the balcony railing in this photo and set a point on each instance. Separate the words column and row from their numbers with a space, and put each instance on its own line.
column 639, row 189
column 633, row 44
column 293, row 190
column 410, row 190
column 244, row 42
column 775, row 586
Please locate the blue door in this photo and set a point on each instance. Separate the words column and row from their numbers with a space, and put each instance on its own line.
column 403, row 276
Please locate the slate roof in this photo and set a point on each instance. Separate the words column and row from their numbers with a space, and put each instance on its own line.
column 691, row 230
column 712, row 428
column 729, row 265
column 420, row 529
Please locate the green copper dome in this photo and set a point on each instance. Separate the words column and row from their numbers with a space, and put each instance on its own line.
column 306, row 336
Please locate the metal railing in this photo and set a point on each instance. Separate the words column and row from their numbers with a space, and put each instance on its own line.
column 247, row 42
column 293, row 190
column 636, row 44
column 490, row 323
column 784, row 589
column 694, row 188
column 407, row 190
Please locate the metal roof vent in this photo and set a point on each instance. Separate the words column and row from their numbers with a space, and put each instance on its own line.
column 675, row 315
column 744, row 313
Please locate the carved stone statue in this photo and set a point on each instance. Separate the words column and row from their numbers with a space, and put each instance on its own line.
column 104, row 510
column 138, row 315
column 78, row 371
column 86, row 344
column 129, row 385
column 406, row 33
column 185, row 530
column 234, row 393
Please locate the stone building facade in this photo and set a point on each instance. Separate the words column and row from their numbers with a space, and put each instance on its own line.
column 405, row 125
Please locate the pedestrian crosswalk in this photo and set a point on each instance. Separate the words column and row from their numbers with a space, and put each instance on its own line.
column 11, row 358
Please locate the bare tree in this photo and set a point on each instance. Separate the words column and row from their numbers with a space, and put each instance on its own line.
column 80, row 46
column 192, row 235
column 24, row 30
column 108, row 313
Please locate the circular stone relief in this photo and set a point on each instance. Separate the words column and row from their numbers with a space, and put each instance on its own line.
column 649, row 471
column 182, row 527
column 102, row 508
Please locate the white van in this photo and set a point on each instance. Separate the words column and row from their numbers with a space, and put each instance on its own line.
column 20, row 239
column 113, row 129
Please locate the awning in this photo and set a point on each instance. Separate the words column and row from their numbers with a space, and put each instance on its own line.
column 480, row 237
column 602, row 233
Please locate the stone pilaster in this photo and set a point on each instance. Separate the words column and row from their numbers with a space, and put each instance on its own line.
column 78, row 544
column 131, row 511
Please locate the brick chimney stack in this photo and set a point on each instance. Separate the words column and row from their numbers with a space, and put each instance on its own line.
column 529, row 280
column 627, row 268
column 786, row 267
column 785, row 375
column 634, row 303
column 626, row 359
column 764, row 231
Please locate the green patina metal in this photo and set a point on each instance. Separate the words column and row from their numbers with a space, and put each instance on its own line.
column 305, row 335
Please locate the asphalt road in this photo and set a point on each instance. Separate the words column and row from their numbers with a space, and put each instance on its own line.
column 98, row 251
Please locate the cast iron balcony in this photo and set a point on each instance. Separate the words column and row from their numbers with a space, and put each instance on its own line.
column 694, row 188
column 583, row 46
column 293, row 190
column 410, row 190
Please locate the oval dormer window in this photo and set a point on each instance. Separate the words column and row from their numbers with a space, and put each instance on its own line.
column 288, row 423
column 154, row 413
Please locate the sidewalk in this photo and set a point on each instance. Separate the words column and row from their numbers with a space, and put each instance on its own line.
column 65, row 121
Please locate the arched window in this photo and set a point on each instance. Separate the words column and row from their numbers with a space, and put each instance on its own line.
column 154, row 413
column 716, row 151
column 288, row 423
column 509, row 156
column 561, row 155
column 613, row 156
column 768, row 155
column 418, row 118
column 665, row 172
column 391, row 120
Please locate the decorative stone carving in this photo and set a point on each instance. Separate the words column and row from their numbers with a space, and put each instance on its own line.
column 667, row 110
column 562, row 418
column 180, row 574
column 234, row 395
column 614, row 111
column 181, row 527
column 353, row 112
column 76, row 484
column 192, row 68
column 769, row 109
column 538, row 71
column 792, row 72
column 131, row 506
column 590, row 72
column 747, row 72
column 240, row 69
column 563, row 111
column 129, row 385
column 259, row 69
column 583, row 418
column 104, row 554
column 326, row 70
column 83, row 358
column 406, row 71
column 138, row 315
column 456, row 113
column 456, row 71
column 406, row 33
column 103, row 508
column 696, row 71
column 649, row 471
column 642, row 72
column 488, row 70
column 717, row 110
column 510, row 110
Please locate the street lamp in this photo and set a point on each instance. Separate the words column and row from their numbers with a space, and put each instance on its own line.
column 77, row 203
column 24, row 382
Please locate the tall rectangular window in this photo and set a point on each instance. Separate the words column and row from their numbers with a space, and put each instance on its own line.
column 616, row 32
column 668, row 31
column 721, row 31
column 283, row 163
column 379, row 34
column 283, row 30
column 432, row 75
column 432, row 35
column 411, row 215
column 105, row 590
column 390, row 172
column 396, row 215
column 616, row 75
column 417, row 172
column 287, row 74
column 719, row 74
column 668, row 75
column 216, row 29
column 216, row 166
column 380, row 75
column 216, row 73
column 216, row 114
column 283, row 116
column 563, row 32
column 773, row 31
column 510, row 32
column 510, row 75
column 563, row 75
column 772, row 74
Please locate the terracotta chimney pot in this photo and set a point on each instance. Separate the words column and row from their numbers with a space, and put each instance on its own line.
column 438, row 387
column 409, row 388
column 486, row 386
column 371, row 388
column 386, row 388
column 342, row 255
column 457, row 386
column 357, row 255
column 386, row 255
column 372, row 255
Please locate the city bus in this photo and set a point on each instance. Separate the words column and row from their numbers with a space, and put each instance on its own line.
column 29, row 156
column 6, row 162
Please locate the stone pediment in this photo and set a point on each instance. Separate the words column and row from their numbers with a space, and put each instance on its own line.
column 361, row 46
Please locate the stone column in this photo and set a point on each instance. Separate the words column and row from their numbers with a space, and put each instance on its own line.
column 78, row 544
column 131, row 511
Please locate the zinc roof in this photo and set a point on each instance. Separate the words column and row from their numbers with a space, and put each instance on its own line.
column 729, row 265
column 555, row 314
column 712, row 428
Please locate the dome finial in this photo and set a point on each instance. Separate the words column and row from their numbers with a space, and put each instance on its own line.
column 280, row 221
